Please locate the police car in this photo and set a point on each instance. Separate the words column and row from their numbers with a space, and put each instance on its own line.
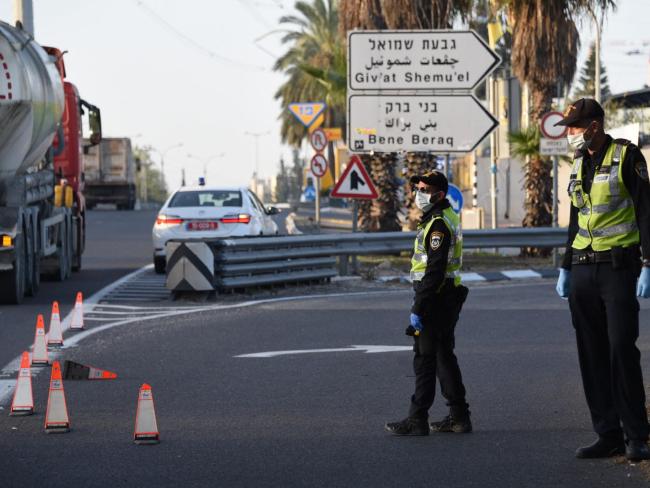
column 210, row 212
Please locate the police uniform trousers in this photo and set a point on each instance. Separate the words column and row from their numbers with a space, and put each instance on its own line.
column 434, row 356
column 605, row 315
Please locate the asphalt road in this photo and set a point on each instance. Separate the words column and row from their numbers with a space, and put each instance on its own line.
column 116, row 244
column 317, row 419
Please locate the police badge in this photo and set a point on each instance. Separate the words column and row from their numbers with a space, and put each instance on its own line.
column 436, row 240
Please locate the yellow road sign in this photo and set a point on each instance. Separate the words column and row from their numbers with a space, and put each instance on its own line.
column 307, row 113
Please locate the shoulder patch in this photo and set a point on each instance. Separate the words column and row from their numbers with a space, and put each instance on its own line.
column 436, row 240
column 641, row 169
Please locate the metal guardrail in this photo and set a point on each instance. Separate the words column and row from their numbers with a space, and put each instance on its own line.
column 260, row 261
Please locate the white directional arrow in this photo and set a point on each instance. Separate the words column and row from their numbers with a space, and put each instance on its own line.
column 418, row 123
column 366, row 349
column 418, row 60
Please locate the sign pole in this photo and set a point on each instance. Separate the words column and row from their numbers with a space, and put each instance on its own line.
column 493, row 156
column 317, row 209
column 556, row 257
column 355, row 218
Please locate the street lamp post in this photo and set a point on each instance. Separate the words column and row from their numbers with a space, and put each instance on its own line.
column 256, row 136
column 206, row 161
column 162, row 155
column 597, row 53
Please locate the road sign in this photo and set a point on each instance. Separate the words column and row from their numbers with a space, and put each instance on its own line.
column 553, row 147
column 354, row 182
column 548, row 127
column 319, row 165
column 455, row 197
column 333, row 133
column 418, row 60
column 366, row 349
column 307, row 113
column 418, row 123
column 318, row 140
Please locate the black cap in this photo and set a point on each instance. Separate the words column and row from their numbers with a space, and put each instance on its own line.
column 432, row 178
column 583, row 109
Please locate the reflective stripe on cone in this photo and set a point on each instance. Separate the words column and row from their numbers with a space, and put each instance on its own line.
column 56, row 417
column 23, row 401
column 146, row 427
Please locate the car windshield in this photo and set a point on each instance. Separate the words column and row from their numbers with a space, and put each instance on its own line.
column 207, row 198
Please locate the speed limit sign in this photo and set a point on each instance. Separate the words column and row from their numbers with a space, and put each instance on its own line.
column 319, row 165
column 318, row 140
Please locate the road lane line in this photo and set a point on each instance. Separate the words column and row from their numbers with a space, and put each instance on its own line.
column 93, row 302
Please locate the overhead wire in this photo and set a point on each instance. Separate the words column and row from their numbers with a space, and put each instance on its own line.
column 195, row 44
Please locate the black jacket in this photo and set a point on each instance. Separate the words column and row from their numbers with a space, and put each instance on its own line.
column 437, row 242
column 635, row 178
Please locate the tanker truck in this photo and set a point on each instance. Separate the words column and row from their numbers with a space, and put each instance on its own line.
column 42, row 208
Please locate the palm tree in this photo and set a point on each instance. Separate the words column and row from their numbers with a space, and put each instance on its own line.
column 314, row 49
column 545, row 45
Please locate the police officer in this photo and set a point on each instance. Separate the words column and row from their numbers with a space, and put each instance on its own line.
column 439, row 297
column 609, row 232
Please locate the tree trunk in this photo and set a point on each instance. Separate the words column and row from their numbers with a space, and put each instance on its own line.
column 538, row 182
column 382, row 213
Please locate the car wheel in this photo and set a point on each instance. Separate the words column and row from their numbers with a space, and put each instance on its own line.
column 159, row 264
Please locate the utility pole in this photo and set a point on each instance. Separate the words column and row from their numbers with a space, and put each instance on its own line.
column 162, row 155
column 256, row 136
column 206, row 161
column 597, row 53
column 24, row 13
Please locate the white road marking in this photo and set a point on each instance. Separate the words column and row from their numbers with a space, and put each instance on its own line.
column 366, row 349
column 7, row 386
column 521, row 273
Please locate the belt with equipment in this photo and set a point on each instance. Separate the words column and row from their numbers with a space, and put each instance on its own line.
column 591, row 257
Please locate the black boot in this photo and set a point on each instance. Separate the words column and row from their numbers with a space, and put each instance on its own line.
column 408, row 426
column 459, row 425
column 636, row 450
column 602, row 448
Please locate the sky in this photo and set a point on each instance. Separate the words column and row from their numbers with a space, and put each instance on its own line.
column 198, row 73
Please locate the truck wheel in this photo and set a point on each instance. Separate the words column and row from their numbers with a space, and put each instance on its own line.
column 36, row 276
column 77, row 247
column 69, row 249
column 12, row 282
column 159, row 264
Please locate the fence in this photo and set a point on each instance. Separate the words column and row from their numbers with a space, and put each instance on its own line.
column 227, row 264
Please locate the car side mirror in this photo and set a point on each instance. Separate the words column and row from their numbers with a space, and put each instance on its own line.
column 272, row 210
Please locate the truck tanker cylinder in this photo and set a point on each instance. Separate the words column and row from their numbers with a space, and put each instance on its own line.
column 31, row 102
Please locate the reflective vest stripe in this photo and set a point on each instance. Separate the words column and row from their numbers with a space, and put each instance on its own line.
column 614, row 230
column 614, row 188
column 608, row 207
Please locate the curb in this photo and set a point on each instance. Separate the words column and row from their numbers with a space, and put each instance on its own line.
column 490, row 276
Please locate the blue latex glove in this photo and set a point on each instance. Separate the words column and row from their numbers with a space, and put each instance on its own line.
column 416, row 322
column 643, row 286
column 563, row 282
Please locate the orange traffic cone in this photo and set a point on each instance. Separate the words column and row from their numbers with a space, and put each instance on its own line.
column 78, row 313
column 39, row 351
column 56, row 416
column 146, row 427
column 55, row 335
column 23, row 402
column 77, row 371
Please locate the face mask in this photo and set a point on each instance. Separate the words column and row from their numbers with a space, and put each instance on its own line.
column 578, row 141
column 423, row 201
